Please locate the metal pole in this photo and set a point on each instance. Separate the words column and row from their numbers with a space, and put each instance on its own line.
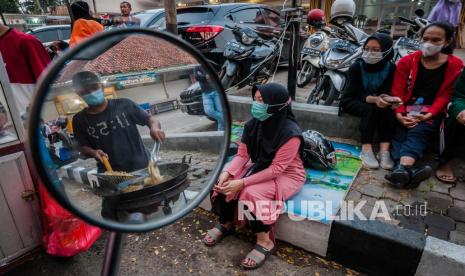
column 170, row 15
column 112, row 256
column 294, row 47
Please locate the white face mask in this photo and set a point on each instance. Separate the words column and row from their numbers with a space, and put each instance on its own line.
column 372, row 57
column 430, row 49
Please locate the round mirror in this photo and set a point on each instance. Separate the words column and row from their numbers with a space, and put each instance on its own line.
column 110, row 139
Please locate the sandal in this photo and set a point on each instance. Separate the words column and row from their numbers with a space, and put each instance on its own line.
column 217, row 237
column 259, row 260
column 444, row 178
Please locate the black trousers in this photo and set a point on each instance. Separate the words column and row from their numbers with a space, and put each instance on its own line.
column 373, row 120
column 227, row 210
column 454, row 141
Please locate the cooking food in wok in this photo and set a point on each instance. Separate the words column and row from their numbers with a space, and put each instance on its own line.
column 142, row 183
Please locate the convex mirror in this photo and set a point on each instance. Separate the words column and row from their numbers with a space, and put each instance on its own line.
column 97, row 117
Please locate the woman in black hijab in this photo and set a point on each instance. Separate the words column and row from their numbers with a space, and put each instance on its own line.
column 266, row 171
column 366, row 96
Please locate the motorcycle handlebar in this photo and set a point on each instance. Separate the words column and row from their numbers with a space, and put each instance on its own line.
column 406, row 20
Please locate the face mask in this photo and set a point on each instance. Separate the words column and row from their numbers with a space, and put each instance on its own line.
column 374, row 57
column 260, row 111
column 95, row 98
column 429, row 49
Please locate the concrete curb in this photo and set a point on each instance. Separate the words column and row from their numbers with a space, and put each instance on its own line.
column 322, row 118
column 375, row 247
column 441, row 257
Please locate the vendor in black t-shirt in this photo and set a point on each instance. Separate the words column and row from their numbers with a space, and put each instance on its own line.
column 109, row 127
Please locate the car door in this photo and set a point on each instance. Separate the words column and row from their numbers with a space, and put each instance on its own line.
column 65, row 33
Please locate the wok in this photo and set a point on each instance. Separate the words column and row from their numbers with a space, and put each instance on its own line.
column 175, row 176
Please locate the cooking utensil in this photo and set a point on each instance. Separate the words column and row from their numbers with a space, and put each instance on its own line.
column 106, row 163
column 108, row 180
column 175, row 181
column 154, row 156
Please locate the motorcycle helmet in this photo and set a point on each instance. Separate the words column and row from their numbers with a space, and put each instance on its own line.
column 319, row 152
column 316, row 18
column 343, row 9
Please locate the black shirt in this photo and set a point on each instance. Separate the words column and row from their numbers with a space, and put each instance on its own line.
column 115, row 132
column 427, row 83
column 353, row 98
column 204, row 81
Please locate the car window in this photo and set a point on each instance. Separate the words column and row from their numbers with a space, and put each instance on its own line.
column 158, row 23
column 272, row 18
column 194, row 15
column 144, row 17
column 65, row 33
column 253, row 16
column 47, row 35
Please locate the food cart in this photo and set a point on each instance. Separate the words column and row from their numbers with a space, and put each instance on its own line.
column 19, row 205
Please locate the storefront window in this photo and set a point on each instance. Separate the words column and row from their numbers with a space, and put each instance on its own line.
column 7, row 129
column 373, row 15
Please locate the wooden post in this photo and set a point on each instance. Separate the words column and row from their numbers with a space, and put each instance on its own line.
column 170, row 15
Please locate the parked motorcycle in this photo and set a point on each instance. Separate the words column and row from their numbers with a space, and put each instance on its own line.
column 311, row 55
column 250, row 59
column 410, row 43
column 341, row 54
column 313, row 47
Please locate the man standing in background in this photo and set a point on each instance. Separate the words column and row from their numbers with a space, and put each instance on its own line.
column 126, row 18
column 25, row 59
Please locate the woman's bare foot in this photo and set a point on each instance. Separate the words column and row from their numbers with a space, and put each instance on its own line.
column 445, row 174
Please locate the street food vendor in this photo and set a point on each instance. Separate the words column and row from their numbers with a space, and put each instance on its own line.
column 109, row 127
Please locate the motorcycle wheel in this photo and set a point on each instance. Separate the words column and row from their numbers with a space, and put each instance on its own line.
column 316, row 94
column 330, row 92
column 306, row 74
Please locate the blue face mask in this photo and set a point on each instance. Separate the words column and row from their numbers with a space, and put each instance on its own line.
column 95, row 98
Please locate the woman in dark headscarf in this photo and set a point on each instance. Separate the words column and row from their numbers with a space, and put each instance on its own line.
column 366, row 96
column 266, row 171
column 83, row 24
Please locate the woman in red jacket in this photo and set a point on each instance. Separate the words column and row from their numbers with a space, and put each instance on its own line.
column 424, row 81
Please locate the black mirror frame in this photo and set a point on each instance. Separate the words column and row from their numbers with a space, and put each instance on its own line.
column 35, row 115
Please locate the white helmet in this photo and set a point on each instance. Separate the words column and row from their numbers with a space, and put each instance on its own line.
column 343, row 9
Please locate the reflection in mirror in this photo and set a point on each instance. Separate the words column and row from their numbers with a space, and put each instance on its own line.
column 121, row 146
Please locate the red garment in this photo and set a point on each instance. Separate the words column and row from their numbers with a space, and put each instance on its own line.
column 281, row 180
column 406, row 74
column 25, row 59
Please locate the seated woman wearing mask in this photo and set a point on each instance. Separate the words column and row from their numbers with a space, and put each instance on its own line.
column 267, row 169
column 424, row 81
column 366, row 96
